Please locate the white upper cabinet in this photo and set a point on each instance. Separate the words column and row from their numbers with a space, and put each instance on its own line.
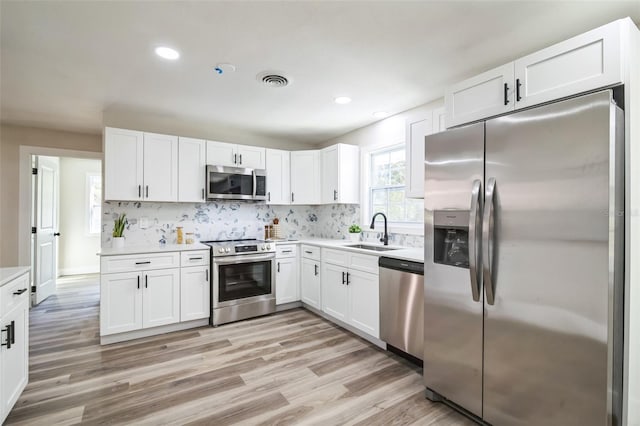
column 278, row 177
column 340, row 174
column 416, row 129
column 160, row 167
column 140, row 166
column 586, row 62
column 123, row 164
column 227, row 154
column 305, row 177
column 487, row 94
column 192, row 163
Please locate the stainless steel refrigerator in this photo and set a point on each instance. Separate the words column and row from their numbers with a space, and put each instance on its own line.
column 524, row 218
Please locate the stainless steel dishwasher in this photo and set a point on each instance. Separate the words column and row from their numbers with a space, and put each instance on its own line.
column 402, row 305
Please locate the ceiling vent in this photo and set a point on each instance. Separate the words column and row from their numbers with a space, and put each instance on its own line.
column 273, row 79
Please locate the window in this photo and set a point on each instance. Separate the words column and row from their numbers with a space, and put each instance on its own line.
column 94, row 203
column 387, row 180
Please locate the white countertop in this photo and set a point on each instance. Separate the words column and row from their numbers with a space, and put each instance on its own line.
column 404, row 253
column 9, row 273
column 158, row 248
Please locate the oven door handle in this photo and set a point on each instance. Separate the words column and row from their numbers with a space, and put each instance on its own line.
column 230, row 260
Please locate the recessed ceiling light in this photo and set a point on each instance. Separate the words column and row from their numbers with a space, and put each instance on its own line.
column 167, row 53
column 381, row 114
column 342, row 100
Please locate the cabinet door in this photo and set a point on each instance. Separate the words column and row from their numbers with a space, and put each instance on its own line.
column 482, row 96
column 123, row 175
column 251, row 157
column 305, row 177
column 348, row 174
column 191, row 170
column 329, row 175
column 120, row 302
column 310, row 283
column 161, row 297
column 14, row 361
column 287, row 281
column 580, row 64
column 364, row 304
column 278, row 183
column 194, row 293
column 221, row 154
column 160, row 167
column 416, row 129
column 334, row 292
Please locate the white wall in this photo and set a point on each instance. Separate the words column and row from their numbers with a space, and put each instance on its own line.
column 76, row 248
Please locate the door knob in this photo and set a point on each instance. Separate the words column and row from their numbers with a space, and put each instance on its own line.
column 56, row 234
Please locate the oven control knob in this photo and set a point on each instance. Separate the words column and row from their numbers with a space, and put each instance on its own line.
column 268, row 246
column 221, row 250
column 228, row 250
column 264, row 247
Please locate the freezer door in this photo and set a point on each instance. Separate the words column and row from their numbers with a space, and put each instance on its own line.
column 454, row 167
column 549, row 235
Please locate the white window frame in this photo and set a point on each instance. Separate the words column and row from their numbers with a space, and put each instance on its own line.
column 87, row 212
column 365, row 213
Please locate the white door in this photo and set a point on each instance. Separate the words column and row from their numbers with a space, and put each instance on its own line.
column 160, row 167
column 286, row 281
column 310, row 283
column 329, row 175
column 46, row 246
column 305, row 177
column 251, row 157
column 120, row 302
column 194, row 293
column 123, row 162
column 364, row 309
column 416, row 129
column 278, row 177
column 161, row 297
column 191, row 170
column 334, row 291
column 13, row 361
column 221, row 154
column 482, row 96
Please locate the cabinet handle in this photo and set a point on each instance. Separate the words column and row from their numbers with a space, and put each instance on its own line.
column 278, row 266
column 19, row 292
column 143, row 263
column 7, row 343
column 269, row 196
column 315, row 270
column 147, row 191
column 240, row 158
column 518, row 84
column 146, row 284
column 206, row 275
column 195, row 258
column 347, row 278
column 506, row 95
column 343, row 280
column 138, row 282
column 335, row 194
column 292, row 197
column 286, row 251
column 235, row 158
column 308, row 252
column 203, row 193
column 139, row 191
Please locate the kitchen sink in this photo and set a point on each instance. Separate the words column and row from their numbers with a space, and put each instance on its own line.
column 370, row 247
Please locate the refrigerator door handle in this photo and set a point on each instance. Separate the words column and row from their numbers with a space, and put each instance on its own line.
column 474, row 226
column 487, row 241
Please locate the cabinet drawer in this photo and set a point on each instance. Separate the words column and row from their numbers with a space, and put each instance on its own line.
column 139, row 262
column 364, row 263
column 286, row 250
column 194, row 258
column 311, row 252
column 8, row 297
column 335, row 257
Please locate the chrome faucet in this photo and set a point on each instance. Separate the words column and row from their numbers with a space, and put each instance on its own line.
column 385, row 238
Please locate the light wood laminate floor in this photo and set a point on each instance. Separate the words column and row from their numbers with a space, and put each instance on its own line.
column 289, row 368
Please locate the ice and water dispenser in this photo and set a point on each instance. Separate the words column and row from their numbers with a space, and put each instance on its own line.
column 451, row 237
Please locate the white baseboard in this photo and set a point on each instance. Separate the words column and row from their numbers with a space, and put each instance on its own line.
column 287, row 306
column 79, row 270
column 146, row 332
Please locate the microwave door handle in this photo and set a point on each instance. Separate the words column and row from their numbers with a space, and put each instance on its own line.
column 255, row 182
column 474, row 227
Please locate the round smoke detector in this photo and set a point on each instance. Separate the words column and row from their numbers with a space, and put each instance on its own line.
column 273, row 79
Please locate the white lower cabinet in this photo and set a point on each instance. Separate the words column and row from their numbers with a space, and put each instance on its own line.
column 195, row 291
column 287, row 284
column 161, row 297
column 14, row 352
column 120, row 302
column 350, row 293
column 310, row 286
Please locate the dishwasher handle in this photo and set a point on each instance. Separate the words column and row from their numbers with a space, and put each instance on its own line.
column 401, row 265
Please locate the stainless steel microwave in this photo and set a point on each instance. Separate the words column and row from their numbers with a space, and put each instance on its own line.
column 235, row 183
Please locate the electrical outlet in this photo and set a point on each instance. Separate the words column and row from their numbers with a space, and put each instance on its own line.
column 143, row 222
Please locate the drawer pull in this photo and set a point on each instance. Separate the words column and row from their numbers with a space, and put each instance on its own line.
column 143, row 263
column 308, row 252
column 19, row 292
column 286, row 251
column 195, row 258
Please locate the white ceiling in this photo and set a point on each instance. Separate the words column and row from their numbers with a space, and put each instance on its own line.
column 66, row 63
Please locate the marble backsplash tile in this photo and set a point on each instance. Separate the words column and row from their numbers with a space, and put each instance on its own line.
column 218, row 220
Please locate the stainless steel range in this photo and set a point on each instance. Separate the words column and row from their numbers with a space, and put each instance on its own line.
column 242, row 279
